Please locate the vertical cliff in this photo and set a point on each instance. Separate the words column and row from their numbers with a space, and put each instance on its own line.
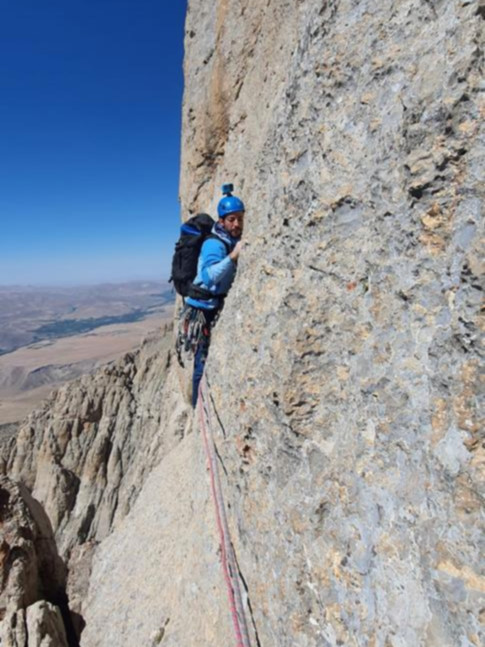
column 343, row 373
column 344, row 369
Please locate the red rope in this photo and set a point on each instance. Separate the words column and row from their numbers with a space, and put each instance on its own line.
column 227, row 554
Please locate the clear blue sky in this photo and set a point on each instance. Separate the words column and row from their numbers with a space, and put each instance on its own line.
column 90, row 112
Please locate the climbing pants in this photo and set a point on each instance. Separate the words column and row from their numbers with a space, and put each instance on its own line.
column 201, row 353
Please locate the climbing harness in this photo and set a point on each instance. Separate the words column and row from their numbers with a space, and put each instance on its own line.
column 228, row 557
column 192, row 327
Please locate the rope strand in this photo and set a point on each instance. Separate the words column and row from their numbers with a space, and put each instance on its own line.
column 227, row 551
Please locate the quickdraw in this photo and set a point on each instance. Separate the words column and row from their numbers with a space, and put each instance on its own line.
column 192, row 327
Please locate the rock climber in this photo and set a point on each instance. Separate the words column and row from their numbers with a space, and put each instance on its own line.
column 216, row 270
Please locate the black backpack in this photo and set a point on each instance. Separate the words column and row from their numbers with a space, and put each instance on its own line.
column 186, row 255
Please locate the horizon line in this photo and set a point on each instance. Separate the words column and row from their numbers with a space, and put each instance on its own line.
column 87, row 283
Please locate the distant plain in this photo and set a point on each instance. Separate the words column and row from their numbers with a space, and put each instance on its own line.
column 52, row 335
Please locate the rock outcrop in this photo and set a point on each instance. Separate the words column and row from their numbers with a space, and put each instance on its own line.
column 32, row 572
column 40, row 625
column 343, row 371
column 86, row 454
column 81, row 462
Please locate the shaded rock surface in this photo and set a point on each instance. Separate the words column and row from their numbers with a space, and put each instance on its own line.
column 31, row 572
column 7, row 431
column 30, row 566
column 40, row 625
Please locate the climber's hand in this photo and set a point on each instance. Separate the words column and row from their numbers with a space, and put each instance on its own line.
column 234, row 255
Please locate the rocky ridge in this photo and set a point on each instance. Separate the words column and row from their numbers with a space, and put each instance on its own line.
column 343, row 372
column 80, row 463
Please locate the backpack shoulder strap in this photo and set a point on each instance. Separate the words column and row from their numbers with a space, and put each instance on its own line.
column 215, row 237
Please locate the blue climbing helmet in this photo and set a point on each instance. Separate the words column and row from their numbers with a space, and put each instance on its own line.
column 229, row 203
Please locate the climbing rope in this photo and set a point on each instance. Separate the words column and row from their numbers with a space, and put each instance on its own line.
column 228, row 557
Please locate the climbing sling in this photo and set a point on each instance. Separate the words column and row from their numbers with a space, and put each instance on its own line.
column 192, row 328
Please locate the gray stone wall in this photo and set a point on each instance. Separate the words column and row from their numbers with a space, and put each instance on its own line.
column 345, row 367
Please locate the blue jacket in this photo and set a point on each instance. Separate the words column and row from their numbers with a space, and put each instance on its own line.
column 215, row 270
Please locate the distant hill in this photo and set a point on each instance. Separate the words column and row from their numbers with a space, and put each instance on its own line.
column 49, row 336
column 32, row 314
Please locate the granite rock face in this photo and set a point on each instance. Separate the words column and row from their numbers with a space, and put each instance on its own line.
column 345, row 367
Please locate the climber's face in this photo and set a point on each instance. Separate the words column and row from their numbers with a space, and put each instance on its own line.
column 233, row 223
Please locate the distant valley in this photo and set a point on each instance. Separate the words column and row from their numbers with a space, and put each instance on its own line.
column 51, row 335
column 33, row 314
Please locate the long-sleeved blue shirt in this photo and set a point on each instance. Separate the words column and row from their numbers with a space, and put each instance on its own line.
column 215, row 272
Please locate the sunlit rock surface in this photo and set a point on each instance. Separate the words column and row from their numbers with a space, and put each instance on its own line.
column 345, row 366
column 87, row 453
column 343, row 372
